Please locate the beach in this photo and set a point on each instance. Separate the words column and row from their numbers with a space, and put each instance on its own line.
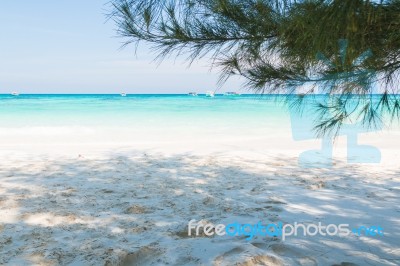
column 110, row 180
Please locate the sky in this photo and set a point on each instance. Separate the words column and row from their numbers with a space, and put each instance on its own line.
column 68, row 46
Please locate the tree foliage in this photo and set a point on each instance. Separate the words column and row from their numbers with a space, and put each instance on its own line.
column 339, row 47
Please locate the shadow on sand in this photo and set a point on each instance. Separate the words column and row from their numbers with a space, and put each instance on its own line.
column 134, row 210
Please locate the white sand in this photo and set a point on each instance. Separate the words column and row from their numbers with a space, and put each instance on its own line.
column 129, row 203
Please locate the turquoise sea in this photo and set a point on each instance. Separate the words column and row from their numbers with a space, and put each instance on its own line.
column 153, row 118
column 162, row 122
column 137, row 110
column 141, row 121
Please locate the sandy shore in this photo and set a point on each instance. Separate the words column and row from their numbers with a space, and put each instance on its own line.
column 133, row 208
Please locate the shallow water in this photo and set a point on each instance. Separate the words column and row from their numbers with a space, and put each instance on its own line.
column 135, row 110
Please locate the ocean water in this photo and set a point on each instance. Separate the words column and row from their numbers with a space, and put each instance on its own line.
column 136, row 110
column 139, row 118
column 165, row 122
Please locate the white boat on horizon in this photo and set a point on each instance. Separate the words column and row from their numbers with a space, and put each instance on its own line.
column 123, row 94
column 210, row 94
column 14, row 93
column 192, row 93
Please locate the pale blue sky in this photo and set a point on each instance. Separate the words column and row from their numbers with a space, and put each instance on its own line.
column 66, row 46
